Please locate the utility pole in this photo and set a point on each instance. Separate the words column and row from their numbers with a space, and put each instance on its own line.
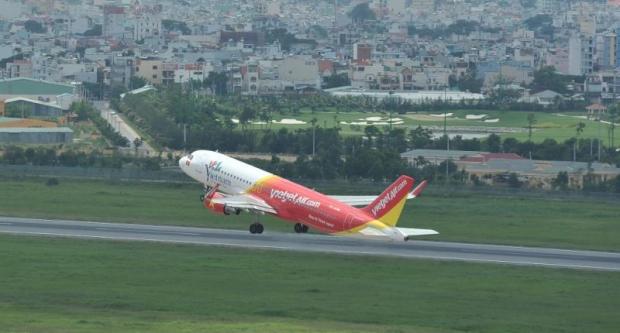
column 313, row 139
column 185, row 136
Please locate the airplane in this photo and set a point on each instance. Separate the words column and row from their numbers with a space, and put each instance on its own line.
column 232, row 186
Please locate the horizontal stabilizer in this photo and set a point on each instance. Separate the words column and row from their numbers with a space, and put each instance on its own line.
column 395, row 233
column 412, row 232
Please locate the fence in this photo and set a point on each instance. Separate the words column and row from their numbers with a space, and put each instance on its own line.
column 125, row 174
column 340, row 186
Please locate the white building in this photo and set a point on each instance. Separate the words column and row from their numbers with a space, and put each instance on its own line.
column 192, row 72
column 580, row 54
column 608, row 52
column 147, row 24
column 299, row 72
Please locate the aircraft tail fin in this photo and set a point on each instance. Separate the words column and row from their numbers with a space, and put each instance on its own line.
column 388, row 206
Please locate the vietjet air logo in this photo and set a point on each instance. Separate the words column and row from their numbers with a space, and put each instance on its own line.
column 294, row 198
column 388, row 197
column 215, row 165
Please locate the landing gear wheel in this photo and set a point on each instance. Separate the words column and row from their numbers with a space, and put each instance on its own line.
column 256, row 228
column 301, row 228
column 202, row 197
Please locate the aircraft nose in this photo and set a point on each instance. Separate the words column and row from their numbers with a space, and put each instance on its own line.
column 182, row 162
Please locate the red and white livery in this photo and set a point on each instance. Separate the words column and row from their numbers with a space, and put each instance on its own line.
column 232, row 186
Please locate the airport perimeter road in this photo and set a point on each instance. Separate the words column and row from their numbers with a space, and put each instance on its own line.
column 123, row 128
column 316, row 243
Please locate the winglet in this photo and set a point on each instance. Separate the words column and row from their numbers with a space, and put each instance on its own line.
column 417, row 190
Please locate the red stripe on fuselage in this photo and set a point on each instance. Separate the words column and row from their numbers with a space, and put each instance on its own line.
column 297, row 203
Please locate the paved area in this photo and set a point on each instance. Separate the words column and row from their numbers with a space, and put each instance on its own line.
column 513, row 255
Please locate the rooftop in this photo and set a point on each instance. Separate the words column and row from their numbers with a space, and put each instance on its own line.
column 36, row 130
column 29, row 100
column 29, row 87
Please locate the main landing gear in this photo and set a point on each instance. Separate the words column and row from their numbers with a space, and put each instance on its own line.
column 301, row 228
column 256, row 227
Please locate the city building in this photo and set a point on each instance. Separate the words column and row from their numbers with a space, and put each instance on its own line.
column 608, row 53
column 114, row 19
column 580, row 55
column 150, row 69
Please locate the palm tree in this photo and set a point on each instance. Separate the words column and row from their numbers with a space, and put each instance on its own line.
column 313, row 122
column 531, row 121
column 579, row 129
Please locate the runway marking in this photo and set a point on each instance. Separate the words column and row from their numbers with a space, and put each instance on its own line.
column 317, row 250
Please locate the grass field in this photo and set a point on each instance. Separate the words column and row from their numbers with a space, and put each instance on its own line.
column 549, row 222
column 63, row 285
column 549, row 125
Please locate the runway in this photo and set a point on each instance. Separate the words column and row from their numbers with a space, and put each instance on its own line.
column 513, row 255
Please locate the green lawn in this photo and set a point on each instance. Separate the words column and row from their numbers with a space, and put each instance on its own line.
column 549, row 222
column 65, row 285
column 549, row 125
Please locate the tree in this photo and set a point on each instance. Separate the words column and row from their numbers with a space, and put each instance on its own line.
column 371, row 132
column 531, row 121
column 503, row 93
column 494, row 143
column 547, row 78
column 469, row 82
column 528, row 3
column 462, row 27
column 579, row 128
column 420, row 137
column 560, row 181
column 337, row 80
column 136, row 82
column 361, row 13
column 172, row 25
column 538, row 21
column 34, row 27
column 246, row 116
column 513, row 181
column 137, row 143
column 218, row 82
column 96, row 30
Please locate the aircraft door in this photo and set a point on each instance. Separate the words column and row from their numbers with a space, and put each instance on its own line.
column 348, row 222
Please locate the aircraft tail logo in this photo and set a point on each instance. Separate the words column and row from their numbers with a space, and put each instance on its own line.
column 388, row 206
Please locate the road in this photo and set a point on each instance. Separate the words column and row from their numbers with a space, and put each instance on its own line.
column 123, row 128
column 514, row 255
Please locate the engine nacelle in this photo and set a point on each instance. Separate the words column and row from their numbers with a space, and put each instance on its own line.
column 231, row 210
column 218, row 207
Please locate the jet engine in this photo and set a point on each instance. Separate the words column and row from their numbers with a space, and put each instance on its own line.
column 218, row 207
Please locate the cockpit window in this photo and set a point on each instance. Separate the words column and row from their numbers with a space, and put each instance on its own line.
column 190, row 157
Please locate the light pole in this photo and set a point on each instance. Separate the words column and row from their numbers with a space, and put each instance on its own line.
column 445, row 133
column 390, row 111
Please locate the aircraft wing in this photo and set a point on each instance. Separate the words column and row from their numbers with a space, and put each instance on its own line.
column 246, row 202
column 364, row 200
